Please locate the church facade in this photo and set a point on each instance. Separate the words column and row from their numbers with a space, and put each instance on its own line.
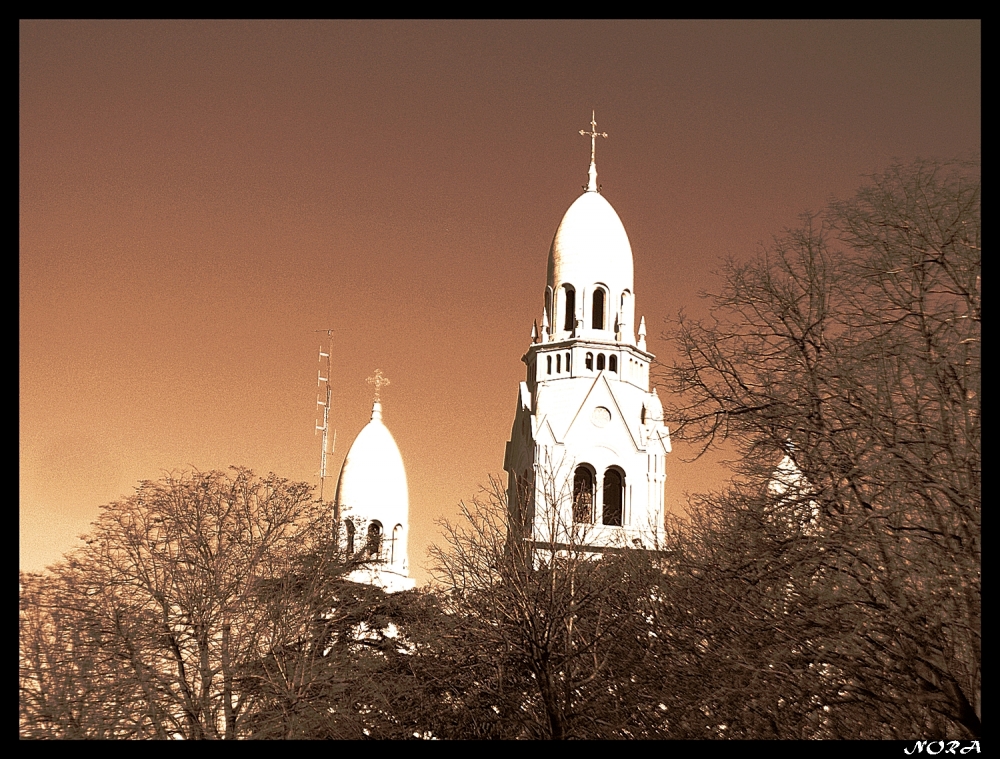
column 587, row 451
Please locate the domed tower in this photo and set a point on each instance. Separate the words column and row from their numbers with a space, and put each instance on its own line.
column 371, row 507
column 585, row 460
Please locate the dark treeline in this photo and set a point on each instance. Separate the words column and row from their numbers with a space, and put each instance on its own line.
column 833, row 595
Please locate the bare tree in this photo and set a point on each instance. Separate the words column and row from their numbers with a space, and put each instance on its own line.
column 857, row 337
column 188, row 596
column 557, row 631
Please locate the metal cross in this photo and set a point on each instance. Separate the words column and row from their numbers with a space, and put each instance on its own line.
column 379, row 381
column 593, row 134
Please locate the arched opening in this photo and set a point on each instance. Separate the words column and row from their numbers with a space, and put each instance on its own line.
column 349, row 531
column 614, row 497
column 613, row 363
column 597, row 314
column 600, row 361
column 625, row 303
column 397, row 536
column 548, row 310
column 548, row 364
column 569, row 306
column 589, row 361
column 567, row 360
column 559, row 364
column 583, row 495
column 373, row 546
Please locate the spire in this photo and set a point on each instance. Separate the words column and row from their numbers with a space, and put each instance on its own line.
column 642, row 333
column 534, row 332
column 593, row 134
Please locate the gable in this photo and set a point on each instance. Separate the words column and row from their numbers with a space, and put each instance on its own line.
column 600, row 419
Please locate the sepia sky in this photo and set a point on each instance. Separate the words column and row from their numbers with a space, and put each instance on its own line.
column 198, row 198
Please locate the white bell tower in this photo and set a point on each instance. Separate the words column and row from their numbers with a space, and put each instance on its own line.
column 586, row 456
column 371, row 507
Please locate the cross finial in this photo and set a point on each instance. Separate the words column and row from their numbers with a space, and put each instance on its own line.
column 593, row 134
column 379, row 382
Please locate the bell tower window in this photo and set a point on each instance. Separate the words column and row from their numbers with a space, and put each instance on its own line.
column 569, row 304
column 597, row 314
column 549, row 313
column 583, row 495
column 349, row 529
column 397, row 534
column 600, row 361
column 614, row 498
column 373, row 546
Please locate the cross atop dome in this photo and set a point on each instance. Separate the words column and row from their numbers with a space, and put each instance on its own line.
column 593, row 134
column 379, row 382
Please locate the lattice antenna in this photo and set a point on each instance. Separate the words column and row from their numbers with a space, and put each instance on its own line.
column 323, row 401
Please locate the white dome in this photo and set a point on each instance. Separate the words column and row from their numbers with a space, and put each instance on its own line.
column 590, row 244
column 591, row 251
column 372, row 481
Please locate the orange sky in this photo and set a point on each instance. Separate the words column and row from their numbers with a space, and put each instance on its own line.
column 198, row 197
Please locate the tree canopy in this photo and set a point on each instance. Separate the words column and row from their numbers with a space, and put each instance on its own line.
column 180, row 602
column 853, row 342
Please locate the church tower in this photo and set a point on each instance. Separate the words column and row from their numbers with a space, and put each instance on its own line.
column 372, row 504
column 585, row 460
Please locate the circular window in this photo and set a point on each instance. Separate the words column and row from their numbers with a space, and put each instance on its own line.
column 600, row 417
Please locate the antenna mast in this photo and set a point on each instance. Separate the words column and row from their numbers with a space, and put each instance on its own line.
column 325, row 404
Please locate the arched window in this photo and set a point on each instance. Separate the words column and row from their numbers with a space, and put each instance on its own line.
column 569, row 304
column 559, row 364
column 589, row 361
column 597, row 315
column 397, row 535
column 613, row 363
column 583, row 495
column 550, row 315
column 600, row 361
column 373, row 546
column 548, row 362
column 349, row 529
column 568, row 354
column 614, row 497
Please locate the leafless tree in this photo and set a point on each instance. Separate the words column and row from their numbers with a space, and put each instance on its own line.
column 194, row 603
column 857, row 338
column 557, row 630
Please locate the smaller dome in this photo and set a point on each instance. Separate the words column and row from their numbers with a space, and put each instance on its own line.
column 372, row 481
